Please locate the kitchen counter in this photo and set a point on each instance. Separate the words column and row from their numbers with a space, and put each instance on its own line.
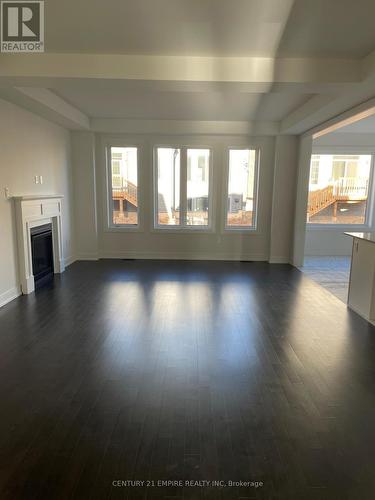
column 361, row 297
column 363, row 236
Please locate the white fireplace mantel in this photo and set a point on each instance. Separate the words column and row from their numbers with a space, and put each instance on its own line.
column 33, row 211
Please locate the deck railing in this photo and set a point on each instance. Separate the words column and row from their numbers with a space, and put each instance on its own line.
column 351, row 188
column 343, row 189
column 319, row 200
column 128, row 191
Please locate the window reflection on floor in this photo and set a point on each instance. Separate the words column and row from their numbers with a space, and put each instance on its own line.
column 332, row 273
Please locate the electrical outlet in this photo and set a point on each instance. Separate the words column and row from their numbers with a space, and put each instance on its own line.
column 36, row 179
column 6, row 193
column 41, row 179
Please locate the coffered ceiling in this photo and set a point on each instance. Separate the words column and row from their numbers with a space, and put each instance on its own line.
column 285, row 65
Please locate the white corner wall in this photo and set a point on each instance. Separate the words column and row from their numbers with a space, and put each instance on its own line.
column 30, row 146
column 84, row 181
column 303, row 172
column 284, row 198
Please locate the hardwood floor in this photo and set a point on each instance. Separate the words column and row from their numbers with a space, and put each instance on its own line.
column 135, row 370
column 332, row 273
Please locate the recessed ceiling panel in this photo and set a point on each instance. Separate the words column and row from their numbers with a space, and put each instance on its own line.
column 148, row 104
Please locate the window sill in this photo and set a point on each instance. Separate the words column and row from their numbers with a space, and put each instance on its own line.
column 240, row 230
column 123, row 229
column 183, row 230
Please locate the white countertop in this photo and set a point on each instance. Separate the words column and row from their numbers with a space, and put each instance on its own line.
column 363, row 236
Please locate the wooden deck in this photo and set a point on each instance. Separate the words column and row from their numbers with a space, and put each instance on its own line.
column 128, row 192
column 344, row 190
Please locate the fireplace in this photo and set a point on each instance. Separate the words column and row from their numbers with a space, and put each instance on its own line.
column 42, row 254
column 39, row 233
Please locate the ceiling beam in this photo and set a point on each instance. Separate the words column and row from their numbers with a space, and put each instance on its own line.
column 319, row 110
column 180, row 68
column 368, row 65
column 329, row 107
column 120, row 125
column 306, row 115
column 45, row 103
column 357, row 113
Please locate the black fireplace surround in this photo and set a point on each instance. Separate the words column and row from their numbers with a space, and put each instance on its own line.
column 42, row 254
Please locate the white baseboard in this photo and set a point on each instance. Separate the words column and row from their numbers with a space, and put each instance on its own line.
column 328, row 254
column 183, row 256
column 86, row 256
column 279, row 260
column 9, row 295
column 69, row 261
column 350, row 307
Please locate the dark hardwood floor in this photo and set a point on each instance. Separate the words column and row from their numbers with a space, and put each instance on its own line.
column 134, row 370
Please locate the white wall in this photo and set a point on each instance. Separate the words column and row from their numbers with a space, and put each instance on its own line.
column 275, row 207
column 284, row 198
column 83, row 157
column 327, row 242
column 29, row 146
column 303, row 170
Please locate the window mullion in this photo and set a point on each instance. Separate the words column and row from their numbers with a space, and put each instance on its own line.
column 369, row 218
column 183, row 188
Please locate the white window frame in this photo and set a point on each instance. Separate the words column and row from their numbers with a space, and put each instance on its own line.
column 110, row 226
column 242, row 229
column 182, row 227
column 337, row 150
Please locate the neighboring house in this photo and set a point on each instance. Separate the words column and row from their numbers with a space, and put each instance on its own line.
column 330, row 170
column 124, row 166
column 338, row 181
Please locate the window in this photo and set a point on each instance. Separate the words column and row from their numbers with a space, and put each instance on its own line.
column 182, row 187
column 116, row 169
column 314, row 171
column 242, row 189
column 203, row 165
column 339, row 189
column 124, row 186
column 168, row 188
column 197, row 187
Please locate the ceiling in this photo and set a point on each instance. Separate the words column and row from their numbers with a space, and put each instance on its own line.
column 308, row 28
column 150, row 103
column 292, row 64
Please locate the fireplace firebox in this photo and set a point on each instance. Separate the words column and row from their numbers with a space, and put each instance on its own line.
column 42, row 254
